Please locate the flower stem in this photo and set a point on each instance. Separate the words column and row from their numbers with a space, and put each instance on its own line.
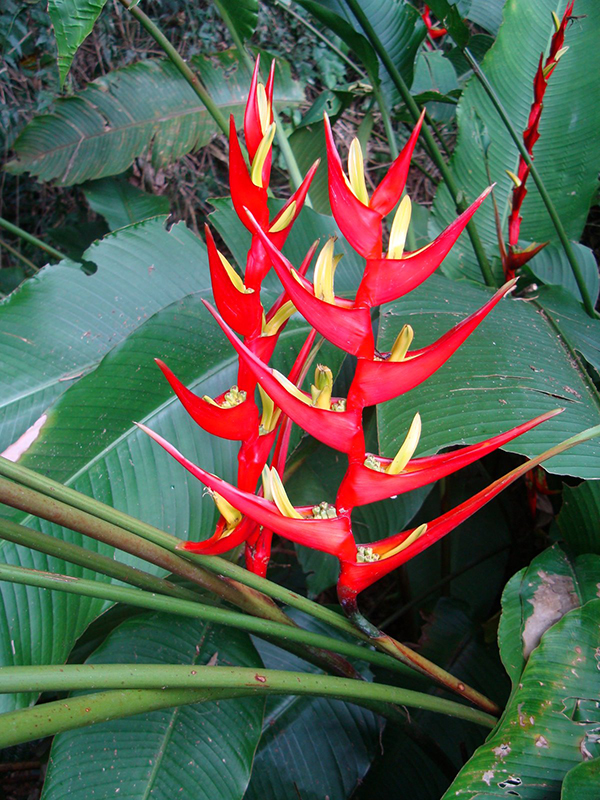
column 432, row 146
column 130, row 689
column 88, row 559
column 229, row 574
column 28, row 237
column 196, row 610
column 179, row 62
column 18, row 255
column 550, row 207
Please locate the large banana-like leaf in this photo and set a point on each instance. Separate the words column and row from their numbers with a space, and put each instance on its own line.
column 568, row 152
column 243, row 15
column 121, row 203
column 520, row 362
column 202, row 751
column 73, row 21
column 549, row 638
column 90, row 442
column 144, row 109
column 58, row 325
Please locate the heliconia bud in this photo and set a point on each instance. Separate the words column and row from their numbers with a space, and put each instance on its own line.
column 284, row 220
column 258, row 162
column 402, row 343
column 356, row 172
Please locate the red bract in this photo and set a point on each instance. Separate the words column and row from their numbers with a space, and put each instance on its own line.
column 434, row 31
column 515, row 257
column 249, row 514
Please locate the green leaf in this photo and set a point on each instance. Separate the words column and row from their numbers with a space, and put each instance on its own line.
column 145, row 107
column 89, row 442
column 357, row 43
column 243, row 14
column 537, row 597
column 435, row 74
column 551, row 720
column 578, row 518
column 487, row 14
column 577, row 329
column 581, row 782
column 58, row 325
column 121, row 203
column 515, row 366
column 397, row 24
column 73, row 21
column 311, row 747
column 201, row 751
column 420, row 759
column 568, row 152
column 451, row 19
column 552, row 267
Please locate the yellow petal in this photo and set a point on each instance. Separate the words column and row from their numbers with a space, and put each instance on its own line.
column 561, row 53
column 285, row 219
column 324, row 272
column 356, row 172
column 408, row 541
column 514, row 178
column 402, row 343
column 281, row 315
column 264, row 107
column 321, row 391
column 268, row 407
column 405, row 453
column 266, row 482
column 291, row 388
column 262, row 151
column 233, row 276
column 556, row 20
column 209, row 400
column 280, row 497
column 400, row 228
column 232, row 515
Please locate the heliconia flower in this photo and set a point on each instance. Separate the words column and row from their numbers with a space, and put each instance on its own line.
column 336, row 427
column 347, row 327
column 308, row 525
column 388, row 278
column 515, row 258
column 258, row 115
column 229, row 416
column 371, row 481
column 360, row 219
column 376, row 381
column 239, row 306
column 434, row 31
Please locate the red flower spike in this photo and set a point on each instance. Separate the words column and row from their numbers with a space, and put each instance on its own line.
column 355, row 577
column 236, row 423
column 331, row 535
column 258, row 552
column 348, row 328
column 243, row 191
column 360, row 224
column 217, row 544
column 389, row 191
column 341, row 430
column 253, row 131
column 432, row 31
column 377, row 381
column 362, row 485
column 242, row 311
column 387, row 279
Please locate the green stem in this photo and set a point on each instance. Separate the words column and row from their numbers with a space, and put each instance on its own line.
column 88, row 559
column 141, row 688
column 282, row 139
column 232, row 572
column 186, row 608
column 18, row 255
column 179, row 62
column 28, row 237
column 550, row 207
column 53, row 510
column 432, row 146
